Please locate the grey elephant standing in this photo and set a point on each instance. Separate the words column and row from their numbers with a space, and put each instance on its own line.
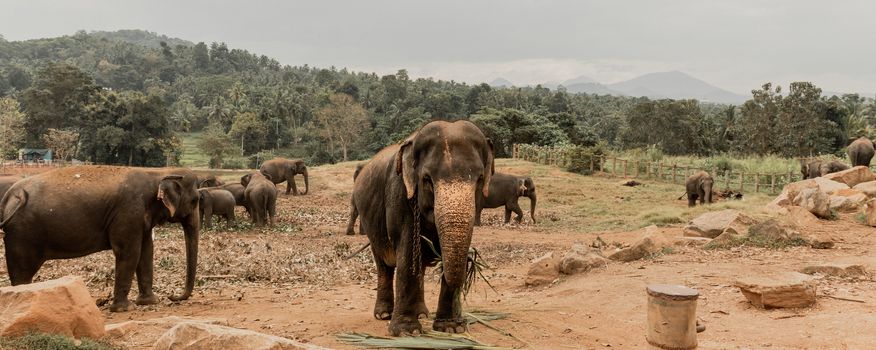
column 76, row 211
column 423, row 189
column 281, row 169
column 354, row 213
column 505, row 190
column 812, row 168
column 861, row 151
column 261, row 198
column 699, row 185
column 216, row 201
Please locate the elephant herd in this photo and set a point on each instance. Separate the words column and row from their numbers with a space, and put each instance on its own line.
column 432, row 186
column 860, row 152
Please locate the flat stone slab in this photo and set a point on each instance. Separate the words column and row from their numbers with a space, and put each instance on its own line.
column 835, row 270
column 786, row 290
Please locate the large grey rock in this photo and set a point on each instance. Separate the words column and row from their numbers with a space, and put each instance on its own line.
column 543, row 270
column 772, row 231
column 60, row 306
column 713, row 223
column 787, row 290
column 815, row 201
column 852, row 177
column 202, row 336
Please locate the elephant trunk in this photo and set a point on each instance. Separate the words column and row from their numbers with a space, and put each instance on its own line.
column 306, row 182
column 532, row 200
column 454, row 219
column 191, row 227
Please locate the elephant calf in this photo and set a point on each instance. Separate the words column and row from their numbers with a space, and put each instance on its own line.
column 210, row 181
column 861, row 151
column 216, row 201
column 237, row 190
column 816, row 167
column 281, row 169
column 505, row 190
column 699, row 185
column 261, row 197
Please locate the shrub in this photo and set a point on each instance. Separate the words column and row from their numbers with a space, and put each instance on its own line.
column 580, row 158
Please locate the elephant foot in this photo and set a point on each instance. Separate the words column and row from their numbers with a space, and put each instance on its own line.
column 404, row 326
column 150, row 299
column 351, row 232
column 422, row 310
column 120, row 306
column 383, row 311
column 450, row 325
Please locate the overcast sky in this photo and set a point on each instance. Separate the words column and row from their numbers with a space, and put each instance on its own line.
column 735, row 44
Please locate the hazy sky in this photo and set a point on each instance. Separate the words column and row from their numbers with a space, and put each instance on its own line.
column 733, row 44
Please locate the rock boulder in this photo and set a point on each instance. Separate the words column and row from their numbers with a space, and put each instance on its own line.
column 852, row 177
column 835, row 270
column 61, row 306
column 574, row 262
column 202, row 336
column 651, row 243
column 714, row 223
column 543, row 270
column 847, row 200
column 788, row 290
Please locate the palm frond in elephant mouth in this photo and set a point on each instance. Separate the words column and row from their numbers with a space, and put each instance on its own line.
column 475, row 266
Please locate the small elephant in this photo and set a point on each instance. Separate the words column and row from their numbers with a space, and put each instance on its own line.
column 505, row 190
column 210, row 181
column 238, row 191
column 281, row 169
column 699, row 185
column 813, row 168
column 79, row 210
column 261, row 198
column 354, row 213
column 861, row 151
column 216, row 201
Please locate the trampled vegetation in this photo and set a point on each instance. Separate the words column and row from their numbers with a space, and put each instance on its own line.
column 127, row 97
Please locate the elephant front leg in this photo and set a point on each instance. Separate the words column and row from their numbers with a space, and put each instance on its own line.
column 145, row 272
column 408, row 293
column 383, row 306
column 691, row 200
column 290, row 185
column 515, row 207
column 127, row 253
column 448, row 317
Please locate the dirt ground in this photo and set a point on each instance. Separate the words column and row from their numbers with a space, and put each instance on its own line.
column 293, row 280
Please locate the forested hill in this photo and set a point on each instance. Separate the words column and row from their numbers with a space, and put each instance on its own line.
column 125, row 100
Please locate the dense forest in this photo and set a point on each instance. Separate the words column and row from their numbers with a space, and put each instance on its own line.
column 125, row 97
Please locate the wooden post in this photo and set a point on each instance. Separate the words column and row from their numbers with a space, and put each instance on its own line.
column 613, row 166
column 772, row 183
column 660, row 170
column 742, row 181
column 727, row 174
column 625, row 168
column 591, row 164
column 674, row 172
column 790, row 176
column 637, row 169
column 756, row 182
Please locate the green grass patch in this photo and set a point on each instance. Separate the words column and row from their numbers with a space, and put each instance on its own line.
column 43, row 341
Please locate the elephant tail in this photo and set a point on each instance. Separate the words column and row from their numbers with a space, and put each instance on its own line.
column 348, row 257
column 682, row 195
column 21, row 197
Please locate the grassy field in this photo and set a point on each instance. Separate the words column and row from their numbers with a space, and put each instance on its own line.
column 595, row 203
column 192, row 156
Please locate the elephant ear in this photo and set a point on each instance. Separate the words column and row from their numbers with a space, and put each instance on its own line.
column 169, row 192
column 267, row 176
column 489, row 167
column 405, row 165
column 244, row 180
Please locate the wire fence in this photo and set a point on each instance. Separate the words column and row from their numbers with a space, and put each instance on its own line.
column 737, row 180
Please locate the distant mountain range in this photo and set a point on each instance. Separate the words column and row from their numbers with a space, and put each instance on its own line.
column 672, row 84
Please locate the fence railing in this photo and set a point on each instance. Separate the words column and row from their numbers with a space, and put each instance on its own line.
column 737, row 180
